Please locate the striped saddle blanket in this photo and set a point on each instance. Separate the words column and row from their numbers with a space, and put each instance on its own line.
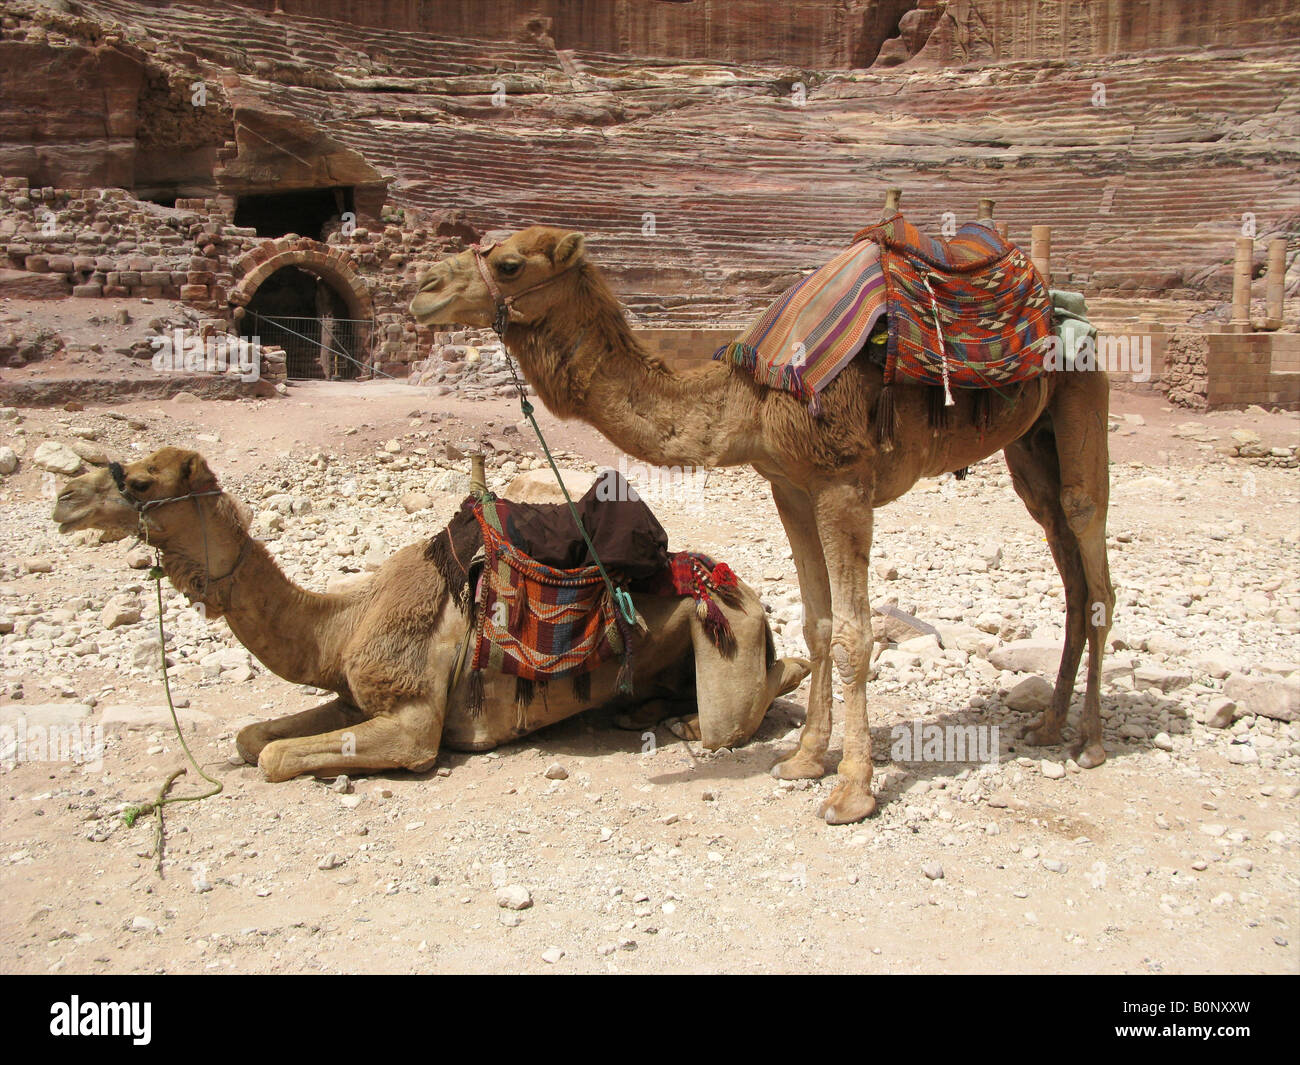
column 816, row 326
column 971, row 312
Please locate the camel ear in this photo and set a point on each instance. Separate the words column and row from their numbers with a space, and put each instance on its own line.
column 570, row 249
column 195, row 474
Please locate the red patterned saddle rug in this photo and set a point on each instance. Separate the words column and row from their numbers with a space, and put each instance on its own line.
column 970, row 312
column 539, row 622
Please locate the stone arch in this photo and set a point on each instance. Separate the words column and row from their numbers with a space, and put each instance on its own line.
column 339, row 350
column 331, row 264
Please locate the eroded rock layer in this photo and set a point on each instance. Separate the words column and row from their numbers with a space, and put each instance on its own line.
column 1145, row 134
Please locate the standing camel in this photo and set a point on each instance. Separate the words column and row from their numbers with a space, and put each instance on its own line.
column 569, row 334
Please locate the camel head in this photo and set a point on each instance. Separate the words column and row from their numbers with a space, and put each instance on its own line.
column 97, row 500
column 92, row 501
column 521, row 267
column 169, row 473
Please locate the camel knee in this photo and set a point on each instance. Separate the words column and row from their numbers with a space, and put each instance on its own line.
column 1080, row 509
column 817, row 635
column 851, row 649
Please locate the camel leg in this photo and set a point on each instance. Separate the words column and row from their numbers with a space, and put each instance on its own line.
column 795, row 508
column 1036, row 476
column 406, row 737
column 334, row 714
column 650, row 713
column 1079, row 415
column 845, row 520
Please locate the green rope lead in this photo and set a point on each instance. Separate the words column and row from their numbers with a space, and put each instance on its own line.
column 133, row 813
column 620, row 597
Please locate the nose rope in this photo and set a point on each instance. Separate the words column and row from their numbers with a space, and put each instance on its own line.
column 504, row 306
column 143, row 506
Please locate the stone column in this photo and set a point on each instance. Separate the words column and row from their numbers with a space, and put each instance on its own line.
column 1275, row 282
column 1242, row 266
column 1040, row 251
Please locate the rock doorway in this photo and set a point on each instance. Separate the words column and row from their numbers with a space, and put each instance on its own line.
column 307, row 212
column 309, row 318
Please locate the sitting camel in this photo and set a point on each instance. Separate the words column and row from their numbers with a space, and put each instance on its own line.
column 389, row 647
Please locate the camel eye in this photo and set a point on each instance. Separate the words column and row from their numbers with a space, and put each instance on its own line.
column 509, row 267
column 139, row 484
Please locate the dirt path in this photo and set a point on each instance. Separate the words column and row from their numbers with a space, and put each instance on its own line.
column 1181, row 854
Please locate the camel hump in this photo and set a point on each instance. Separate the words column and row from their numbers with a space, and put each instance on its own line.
column 540, row 486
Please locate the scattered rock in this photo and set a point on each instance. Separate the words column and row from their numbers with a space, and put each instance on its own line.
column 57, row 458
column 514, row 897
column 1031, row 694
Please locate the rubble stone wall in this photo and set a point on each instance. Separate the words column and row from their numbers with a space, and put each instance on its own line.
column 1185, row 368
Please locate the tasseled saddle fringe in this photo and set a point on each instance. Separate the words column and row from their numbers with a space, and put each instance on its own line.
column 886, row 419
column 939, row 414
column 442, row 554
column 475, row 694
column 716, row 625
column 526, row 690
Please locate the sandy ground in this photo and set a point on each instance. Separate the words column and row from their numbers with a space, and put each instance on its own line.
column 1178, row 855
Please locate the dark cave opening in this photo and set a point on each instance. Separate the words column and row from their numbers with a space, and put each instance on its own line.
column 305, row 212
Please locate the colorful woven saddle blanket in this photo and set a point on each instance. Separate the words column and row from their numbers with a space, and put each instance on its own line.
column 541, row 608
column 970, row 312
column 816, row 326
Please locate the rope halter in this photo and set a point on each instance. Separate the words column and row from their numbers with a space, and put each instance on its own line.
column 505, row 305
column 143, row 506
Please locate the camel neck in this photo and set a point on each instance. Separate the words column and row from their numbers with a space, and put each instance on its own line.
column 289, row 629
column 587, row 364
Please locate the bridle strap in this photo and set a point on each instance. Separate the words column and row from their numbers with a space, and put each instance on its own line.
column 505, row 305
column 143, row 506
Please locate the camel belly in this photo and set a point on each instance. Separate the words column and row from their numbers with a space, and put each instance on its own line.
column 659, row 665
column 961, row 443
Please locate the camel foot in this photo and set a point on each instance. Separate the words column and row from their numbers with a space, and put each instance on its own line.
column 685, row 728
column 273, row 762
column 249, row 743
column 799, row 766
column 848, row 803
column 1043, row 733
column 1088, row 755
